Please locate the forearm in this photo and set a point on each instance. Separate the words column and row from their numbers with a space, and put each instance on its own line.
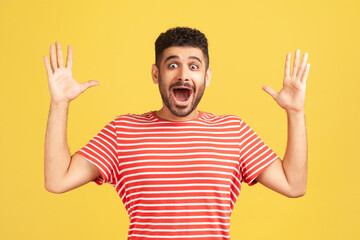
column 57, row 154
column 295, row 161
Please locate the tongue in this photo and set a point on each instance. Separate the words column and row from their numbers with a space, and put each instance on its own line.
column 181, row 94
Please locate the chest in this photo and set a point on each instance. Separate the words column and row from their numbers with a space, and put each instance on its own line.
column 173, row 155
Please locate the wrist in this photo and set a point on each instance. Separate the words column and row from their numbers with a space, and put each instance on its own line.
column 59, row 103
column 296, row 113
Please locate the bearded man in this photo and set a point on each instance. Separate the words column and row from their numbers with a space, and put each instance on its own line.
column 178, row 170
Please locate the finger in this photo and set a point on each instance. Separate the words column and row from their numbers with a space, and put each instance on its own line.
column 69, row 57
column 52, row 58
column 88, row 84
column 305, row 75
column 60, row 61
column 302, row 67
column 270, row 91
column 47, row 66
column 296, row 62
column 287, row 65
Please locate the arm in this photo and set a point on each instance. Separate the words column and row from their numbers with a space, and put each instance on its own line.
column 289, row 177
column 62, row 171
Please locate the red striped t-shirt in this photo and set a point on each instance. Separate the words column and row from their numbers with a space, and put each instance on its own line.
column 178, row 180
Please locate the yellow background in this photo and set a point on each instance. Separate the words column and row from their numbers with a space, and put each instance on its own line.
column 113, row 43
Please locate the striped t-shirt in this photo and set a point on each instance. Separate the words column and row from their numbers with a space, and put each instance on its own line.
column 178, row 180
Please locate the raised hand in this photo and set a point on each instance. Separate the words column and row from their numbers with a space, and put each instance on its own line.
column 63, row 88
column 292, row 96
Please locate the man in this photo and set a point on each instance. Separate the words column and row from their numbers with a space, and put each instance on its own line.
column 178, row 170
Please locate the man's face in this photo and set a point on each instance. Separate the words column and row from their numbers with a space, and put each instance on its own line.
column 182, row 79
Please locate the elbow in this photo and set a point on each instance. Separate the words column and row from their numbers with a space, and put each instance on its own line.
column 52, row 188
column 297, row 193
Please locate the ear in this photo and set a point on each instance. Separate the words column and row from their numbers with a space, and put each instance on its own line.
column 207, row 77
column 155, row 74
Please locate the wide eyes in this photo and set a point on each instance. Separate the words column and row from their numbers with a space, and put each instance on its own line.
column 193, row 66
column 175, row 65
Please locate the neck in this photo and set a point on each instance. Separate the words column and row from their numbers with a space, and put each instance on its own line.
column 166, row 114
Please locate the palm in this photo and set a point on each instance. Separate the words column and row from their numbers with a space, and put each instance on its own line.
column 62, row 85
column 292, row 96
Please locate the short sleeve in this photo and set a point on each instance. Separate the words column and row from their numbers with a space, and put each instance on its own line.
column 255, row 156
column 101, row 151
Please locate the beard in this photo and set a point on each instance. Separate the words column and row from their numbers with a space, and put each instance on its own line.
column 181, row 111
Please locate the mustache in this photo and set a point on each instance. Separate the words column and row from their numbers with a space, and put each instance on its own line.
column 180, row 84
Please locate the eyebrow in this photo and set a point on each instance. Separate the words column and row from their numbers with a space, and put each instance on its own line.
column 177, row 57
column 196, row 58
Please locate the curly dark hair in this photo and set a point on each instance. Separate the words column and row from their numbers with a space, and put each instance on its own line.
column 181, row 36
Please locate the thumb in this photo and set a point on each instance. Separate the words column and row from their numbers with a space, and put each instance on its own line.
column 88, row 84
column 270, row 91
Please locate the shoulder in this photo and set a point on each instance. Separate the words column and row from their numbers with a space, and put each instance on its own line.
column 211, row 117
column 130, row 117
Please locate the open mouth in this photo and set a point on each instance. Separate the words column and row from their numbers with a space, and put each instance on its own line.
column 182, row 95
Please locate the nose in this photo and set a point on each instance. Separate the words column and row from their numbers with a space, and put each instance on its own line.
column 183, row 74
